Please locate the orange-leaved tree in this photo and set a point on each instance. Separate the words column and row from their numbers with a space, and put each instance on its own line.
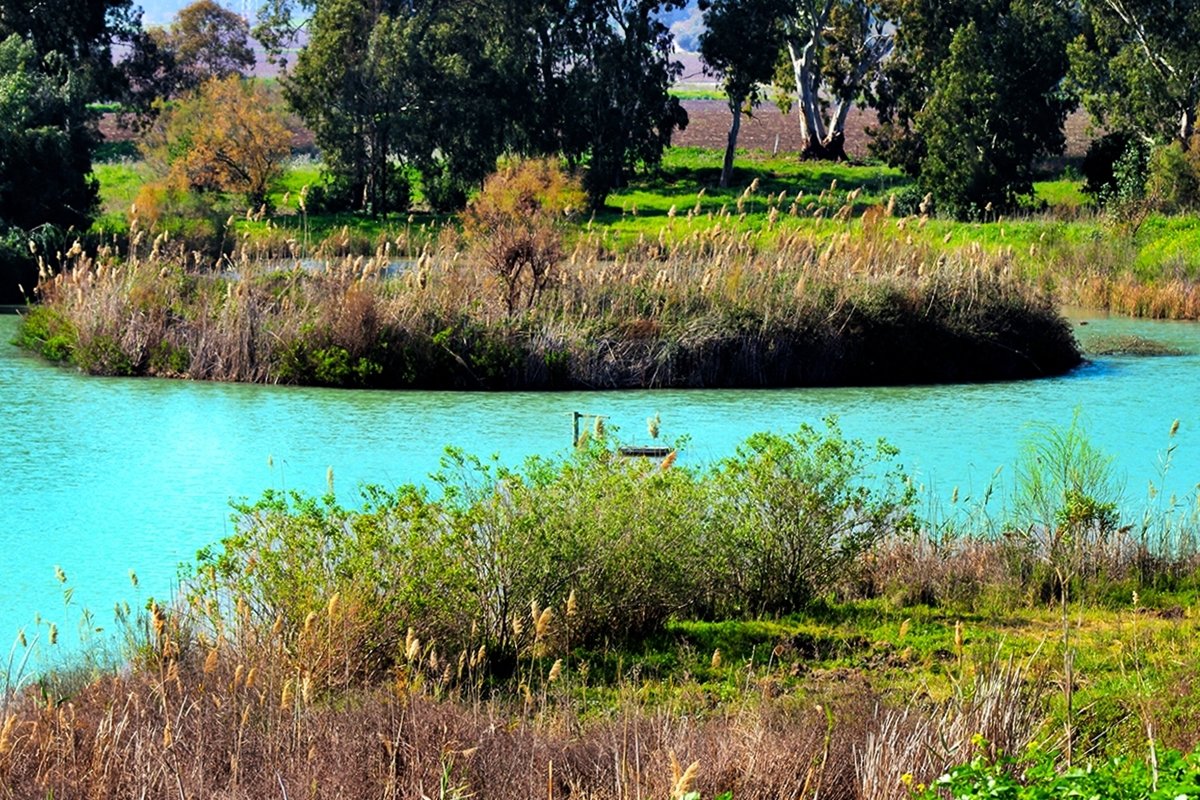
column 228, row 137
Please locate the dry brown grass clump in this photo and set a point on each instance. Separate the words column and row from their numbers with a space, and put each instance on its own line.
column 194, row 720
column 715, row 308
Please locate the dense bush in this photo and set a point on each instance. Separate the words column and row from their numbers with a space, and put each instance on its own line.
column 792, row 514
column 1173, row 176
column 1115, row 168
column 595, row 549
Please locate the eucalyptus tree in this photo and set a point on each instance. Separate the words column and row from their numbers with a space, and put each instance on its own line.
column 741, row 44
column 446, row 87
column 1138, row 65
column 835, row 49
column 973, row 95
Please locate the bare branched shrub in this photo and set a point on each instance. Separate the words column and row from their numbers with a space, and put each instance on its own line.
column 515, row 225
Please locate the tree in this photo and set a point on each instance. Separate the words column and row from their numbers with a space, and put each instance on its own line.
column 973, row 96
column 729, row 25
column 226, row 138
column 445, row 88
column 84, row 33
column 45, row 159
column 1138, row 66
column 834, row 48
column 205, row 41
column 616, row 112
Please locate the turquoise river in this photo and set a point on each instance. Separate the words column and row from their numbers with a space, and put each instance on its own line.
column 103, row 476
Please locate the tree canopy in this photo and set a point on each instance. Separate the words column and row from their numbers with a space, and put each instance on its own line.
column 973, row 96
column 1138, row 66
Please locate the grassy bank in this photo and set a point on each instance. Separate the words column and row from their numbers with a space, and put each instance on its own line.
column 1144, row 266
column 776, row 624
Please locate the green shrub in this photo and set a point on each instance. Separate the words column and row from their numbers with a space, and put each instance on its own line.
column 47, row 331
column 1173, row 177
column 614, row 546
column 792, row 514
column 1174, row 776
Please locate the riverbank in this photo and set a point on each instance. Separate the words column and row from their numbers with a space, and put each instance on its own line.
column 717, row 310
column 584, row 627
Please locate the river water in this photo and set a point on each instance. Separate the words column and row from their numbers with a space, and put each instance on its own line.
column 101, row 476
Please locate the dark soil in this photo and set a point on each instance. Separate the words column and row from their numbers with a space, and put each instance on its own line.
column 708, row 126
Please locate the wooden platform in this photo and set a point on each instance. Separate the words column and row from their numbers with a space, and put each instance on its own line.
column 645, row 452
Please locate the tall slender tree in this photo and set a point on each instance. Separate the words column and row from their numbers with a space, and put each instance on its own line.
column 741, row 44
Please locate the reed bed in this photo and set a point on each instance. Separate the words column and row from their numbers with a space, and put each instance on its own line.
column 205, row 735
column 714, row 307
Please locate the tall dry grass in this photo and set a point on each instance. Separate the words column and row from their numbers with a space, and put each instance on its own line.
column 248, row 712
column 711, row 307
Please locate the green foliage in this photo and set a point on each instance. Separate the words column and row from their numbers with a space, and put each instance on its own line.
column 728, row 24
column 1173, row 177
column 45, row 144
column 401, row 83
column 1066, row 502
column 994, row 107
column 797, row 512
column 614, row 546
column 1116, row 169
column 1037, row 777
column 47, row 332
column 1135, row 66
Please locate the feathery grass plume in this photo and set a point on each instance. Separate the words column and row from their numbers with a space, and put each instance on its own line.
column 287, row 695
column 168, row 737
column 53, row 635
column 518, row 627
column 210, row 662
column 1174, row 428
column 309, row 619
column 133, row 578
column 598, row 428
column 332, row 609
column 716, row 659
column 904, row 626
column 958, row 638
column 535, row 611
column 652, row 424
column 238, row 672
column 543, row 624
column 10, row 722
column 669, row 461
column 306, row 688
column 556, row 670
column 572, row 607
column 59, row 574
column 412, row 650
column 681, row 783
